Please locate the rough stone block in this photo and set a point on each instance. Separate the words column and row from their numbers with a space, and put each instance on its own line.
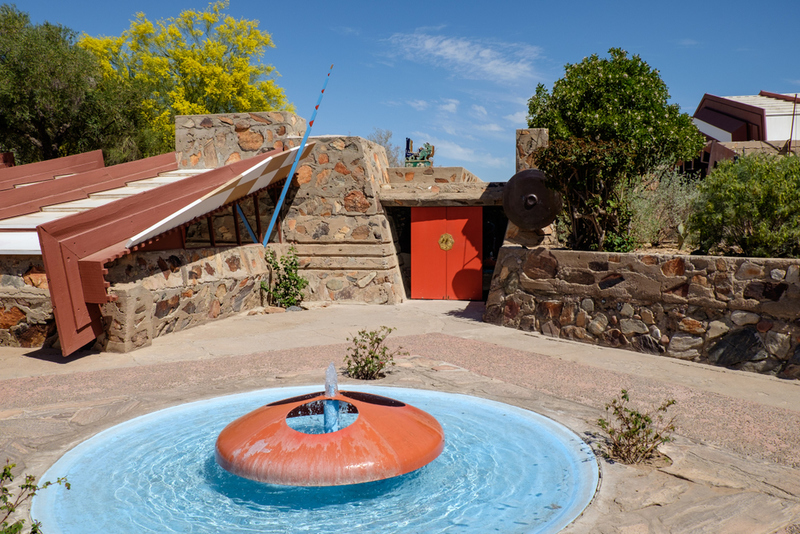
column 633, row 326
column 738, row 346
column 682, row 342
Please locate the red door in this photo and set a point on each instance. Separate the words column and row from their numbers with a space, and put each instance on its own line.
column 446, row 250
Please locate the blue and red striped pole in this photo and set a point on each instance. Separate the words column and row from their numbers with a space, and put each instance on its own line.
column 294, row 165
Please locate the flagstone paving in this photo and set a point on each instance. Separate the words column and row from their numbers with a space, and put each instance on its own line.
column 732, row 468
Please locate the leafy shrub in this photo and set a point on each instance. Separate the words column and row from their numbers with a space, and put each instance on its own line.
column 368, row 356
column 9, row 502
column 589, row 175
column 288, row 286
column 609, row 121
column 660, row 206
column 635, row 436
column 750, row 207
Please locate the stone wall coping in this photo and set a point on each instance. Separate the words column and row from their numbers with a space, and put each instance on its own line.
column 431, row 174
column 427, row 194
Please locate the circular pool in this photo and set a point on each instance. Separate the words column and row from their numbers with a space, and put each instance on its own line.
column 503, row 469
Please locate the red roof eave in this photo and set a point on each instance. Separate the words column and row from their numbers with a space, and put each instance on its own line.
column 76, row 248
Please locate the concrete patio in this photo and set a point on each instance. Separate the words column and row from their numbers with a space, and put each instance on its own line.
column 733, row 463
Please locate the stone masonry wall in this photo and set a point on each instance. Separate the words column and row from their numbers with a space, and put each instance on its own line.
column 741, row 313
column 431, row 175
column 26, row 314
column 528, row 141
column 211, row 141
column 166, row 291
column 338, row 226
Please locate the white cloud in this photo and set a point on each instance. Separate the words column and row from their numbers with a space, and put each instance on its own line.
column 520, row 117
column 479, row 110
column 688, row 42
column 487, row 60
column 450, row 105
column 419, row 105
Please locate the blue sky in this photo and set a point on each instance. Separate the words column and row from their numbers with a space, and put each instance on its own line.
column 458, row 74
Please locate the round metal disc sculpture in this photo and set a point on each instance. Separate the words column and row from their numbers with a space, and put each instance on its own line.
column 388, row 438
column 528, row 202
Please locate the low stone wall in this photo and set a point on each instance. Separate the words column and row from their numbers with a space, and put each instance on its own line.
column 742, row 313
column 211, row 141
column 26, row 314
column 166, row 291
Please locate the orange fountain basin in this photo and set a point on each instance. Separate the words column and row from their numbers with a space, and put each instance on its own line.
column 387, row 439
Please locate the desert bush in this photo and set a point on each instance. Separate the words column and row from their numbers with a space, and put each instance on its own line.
column 10, row 501
column 635, row 436
column 367, row 358
column 750, row 207
column 660, row 206
column 288, row 287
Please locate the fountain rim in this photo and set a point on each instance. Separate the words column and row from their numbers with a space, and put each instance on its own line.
column 44, row 500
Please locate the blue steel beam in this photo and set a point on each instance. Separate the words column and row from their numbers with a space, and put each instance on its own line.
column 294, row 165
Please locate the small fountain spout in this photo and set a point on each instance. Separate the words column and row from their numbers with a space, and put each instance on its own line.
column 331, row 382
column 331, row 409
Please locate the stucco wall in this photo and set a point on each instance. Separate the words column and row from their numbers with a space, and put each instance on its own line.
column 742, row 313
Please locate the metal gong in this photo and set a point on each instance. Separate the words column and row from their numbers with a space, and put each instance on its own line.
column 446, row 242
column 528, row 202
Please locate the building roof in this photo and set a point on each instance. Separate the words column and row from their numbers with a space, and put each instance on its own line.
column 771, row 103
column 762, row 117
column 39, row 197
column 86, row 220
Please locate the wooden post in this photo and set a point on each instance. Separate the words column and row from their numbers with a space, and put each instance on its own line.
column 211, row 237
column 258, row 218
column 236, row 223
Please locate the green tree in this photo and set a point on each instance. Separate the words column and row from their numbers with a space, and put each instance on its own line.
column 609, row 121
column 53, row 99
column 199, row 62
column 750, row 207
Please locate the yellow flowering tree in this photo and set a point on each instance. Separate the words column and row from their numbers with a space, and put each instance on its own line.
column 199, row 62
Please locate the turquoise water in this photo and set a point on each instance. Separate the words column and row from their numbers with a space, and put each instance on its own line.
column 503, row 469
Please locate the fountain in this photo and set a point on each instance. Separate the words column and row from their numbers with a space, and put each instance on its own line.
column 388, row 438
column 503, row 469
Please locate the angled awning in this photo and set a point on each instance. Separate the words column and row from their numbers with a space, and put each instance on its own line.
column 76, row 248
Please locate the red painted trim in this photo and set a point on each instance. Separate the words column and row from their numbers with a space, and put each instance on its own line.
column 48, row 170
column 76, row 248
column 32, row 198
column 779, row 96
column 746, row 112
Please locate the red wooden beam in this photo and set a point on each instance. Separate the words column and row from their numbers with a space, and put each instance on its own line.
column 48, row 170
column 30, row 199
